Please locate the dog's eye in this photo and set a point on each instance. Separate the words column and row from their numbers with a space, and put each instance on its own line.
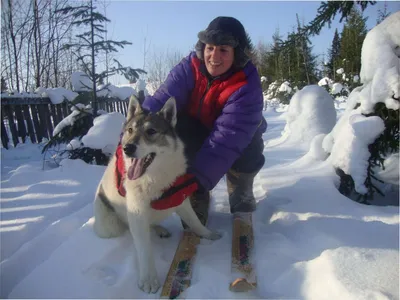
column 130, row 130
column 151, row 131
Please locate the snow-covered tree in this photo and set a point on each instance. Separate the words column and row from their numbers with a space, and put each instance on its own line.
column 364, row 144
column 91, row 42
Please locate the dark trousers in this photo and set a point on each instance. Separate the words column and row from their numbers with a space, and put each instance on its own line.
column 252, row 158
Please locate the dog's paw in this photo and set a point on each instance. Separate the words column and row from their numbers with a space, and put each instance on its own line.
column 213, row 235
column 149, row 285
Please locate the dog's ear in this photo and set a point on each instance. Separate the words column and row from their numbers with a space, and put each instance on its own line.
column 169, row 111
column 134, row 107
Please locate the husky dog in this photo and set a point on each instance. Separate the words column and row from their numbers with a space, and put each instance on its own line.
column 154, row 156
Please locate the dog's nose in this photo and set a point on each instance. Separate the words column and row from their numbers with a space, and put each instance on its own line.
column 130, row 149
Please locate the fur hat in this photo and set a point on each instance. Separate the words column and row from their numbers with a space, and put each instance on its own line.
column 226, row 31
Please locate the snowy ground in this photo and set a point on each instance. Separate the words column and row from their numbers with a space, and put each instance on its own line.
column 310, row 241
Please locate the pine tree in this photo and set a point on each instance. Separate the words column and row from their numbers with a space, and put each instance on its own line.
column 351, row 41
column 298, row 63
column 328, row 10
column 89, row 45
column 308, row 62
column 382, row 15
column 91, row 42
column 334, row 54
column 275, row 58
column 270, row 59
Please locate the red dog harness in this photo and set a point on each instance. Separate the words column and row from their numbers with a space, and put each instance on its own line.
column 120, row 172
column 166, row 200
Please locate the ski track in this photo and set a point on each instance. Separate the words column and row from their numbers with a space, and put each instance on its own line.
column 110, row 271
column 37, row 250
column 114, row 265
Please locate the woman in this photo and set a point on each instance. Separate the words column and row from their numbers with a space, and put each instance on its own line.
column 219, row 85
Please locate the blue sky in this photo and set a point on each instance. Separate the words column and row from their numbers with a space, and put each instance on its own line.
column 174, row 25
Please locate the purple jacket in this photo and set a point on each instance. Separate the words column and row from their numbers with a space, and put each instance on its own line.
column 233, row 128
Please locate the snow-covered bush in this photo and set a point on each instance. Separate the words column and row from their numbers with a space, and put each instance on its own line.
column 280, row 90
column 285, row 92
column 366, row 137
column 326, row 83
column 75, row 131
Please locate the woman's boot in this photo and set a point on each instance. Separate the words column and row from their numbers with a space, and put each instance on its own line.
column 200, row 202
column 240, row 190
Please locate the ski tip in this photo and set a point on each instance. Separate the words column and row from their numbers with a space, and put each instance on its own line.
column 241, row 285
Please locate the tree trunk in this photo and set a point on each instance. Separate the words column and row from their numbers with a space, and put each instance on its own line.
column 14, row 43
column 93, row 60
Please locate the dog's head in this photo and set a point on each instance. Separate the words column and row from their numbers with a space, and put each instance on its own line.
column 148, row 137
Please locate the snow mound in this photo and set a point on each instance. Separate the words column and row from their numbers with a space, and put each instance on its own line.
column 105, row 125
column 311, row 112
column 339, row 273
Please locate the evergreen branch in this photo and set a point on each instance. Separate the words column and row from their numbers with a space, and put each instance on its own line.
column 84, row 38
column 99, row 17
column 327, row 12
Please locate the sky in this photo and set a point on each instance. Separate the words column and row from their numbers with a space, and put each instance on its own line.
column 311, row 242
column 173, row 25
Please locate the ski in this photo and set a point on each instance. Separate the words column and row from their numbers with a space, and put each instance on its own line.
column 243, row 272
column 180, row 272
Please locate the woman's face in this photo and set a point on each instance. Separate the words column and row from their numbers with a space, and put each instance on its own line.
column 218, row 59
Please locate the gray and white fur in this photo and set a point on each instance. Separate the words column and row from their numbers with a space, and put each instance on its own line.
column 145, row 133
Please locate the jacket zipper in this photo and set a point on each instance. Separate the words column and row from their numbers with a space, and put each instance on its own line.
column 202, row 98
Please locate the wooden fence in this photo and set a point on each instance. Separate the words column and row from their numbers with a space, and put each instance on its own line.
column 36, row 117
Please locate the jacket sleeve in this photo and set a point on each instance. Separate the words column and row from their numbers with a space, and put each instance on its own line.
column 232, row 133
column 179, row 83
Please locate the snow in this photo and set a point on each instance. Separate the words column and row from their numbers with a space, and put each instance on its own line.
column 77, row 110
column 141, row 85
column 325, row 81
column 311, row 112
column 336, row 88
column 285, row 87
column 57, row 95
column 120, row 92
column 340, row 71
column 359, row 132
column 380, row 49
column 311, row 242
column 104, row 126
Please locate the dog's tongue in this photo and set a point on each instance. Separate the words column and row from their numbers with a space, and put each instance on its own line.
column 135, row 170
